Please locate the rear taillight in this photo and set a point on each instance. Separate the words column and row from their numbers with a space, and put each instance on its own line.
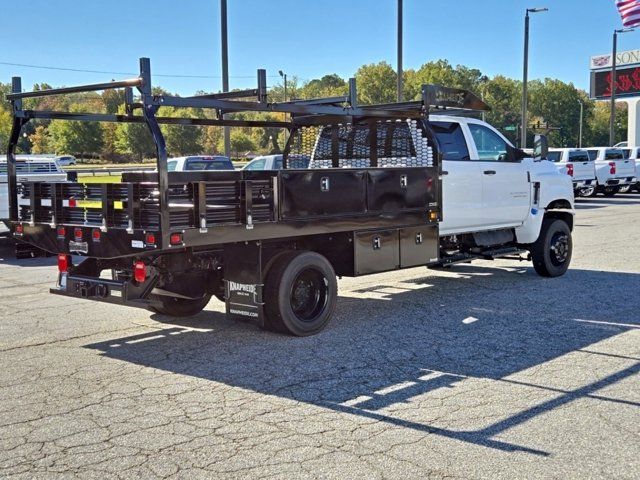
column 61, row 231
column 77, row 233
column 612, row 169
column 19, row 230
column 175, row 239
column 570, row 169
column 63, row 262
column 139, row 271
column 72, row 202
column 150, row 239
column 96, row 235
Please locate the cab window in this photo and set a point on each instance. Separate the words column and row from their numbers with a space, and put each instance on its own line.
column 554, row 156
column 171, row 166
column 257, row 164
column 451, row 140
column 579, row 157
column 491, row 147
column 614, row 155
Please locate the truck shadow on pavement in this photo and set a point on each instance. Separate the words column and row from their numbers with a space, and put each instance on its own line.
column 405, row 352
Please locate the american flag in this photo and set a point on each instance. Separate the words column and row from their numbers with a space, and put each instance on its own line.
column 630, row 12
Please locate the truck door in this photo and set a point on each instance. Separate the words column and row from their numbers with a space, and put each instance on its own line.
column 506, row 191
column 461, row 180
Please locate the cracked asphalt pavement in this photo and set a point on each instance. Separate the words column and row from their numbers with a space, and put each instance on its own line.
column 479, row 371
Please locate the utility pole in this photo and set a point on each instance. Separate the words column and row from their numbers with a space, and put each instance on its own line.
column 225, row 68
column 400, row 30
column 525, row 75
column 581, row 122
column 614, row 84
column 284, row 78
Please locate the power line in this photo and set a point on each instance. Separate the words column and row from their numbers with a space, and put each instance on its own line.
column 104, row 72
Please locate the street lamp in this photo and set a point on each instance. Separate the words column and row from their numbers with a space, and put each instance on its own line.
column 581, row 122
column 525, row 74
column 614, row 84
column 284, row 77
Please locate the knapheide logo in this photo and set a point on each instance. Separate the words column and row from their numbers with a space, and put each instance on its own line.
column 242, row 287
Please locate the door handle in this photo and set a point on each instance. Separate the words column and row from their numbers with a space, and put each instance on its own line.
column 444, row 172
column 489, row 172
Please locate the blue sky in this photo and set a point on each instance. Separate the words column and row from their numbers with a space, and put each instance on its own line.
column 306, row 38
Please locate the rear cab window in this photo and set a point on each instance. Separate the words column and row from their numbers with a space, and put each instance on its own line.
column 614, row 155
column 450, row 136
column 208, row 163
column 579, row 157
column 554, row 156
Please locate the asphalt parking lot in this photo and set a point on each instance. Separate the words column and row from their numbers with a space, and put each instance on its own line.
column 480, row 371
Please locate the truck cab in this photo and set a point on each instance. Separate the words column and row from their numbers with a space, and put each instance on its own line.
column 633, row 153
column 490, row 186
column 576, row 163
column 613, row 170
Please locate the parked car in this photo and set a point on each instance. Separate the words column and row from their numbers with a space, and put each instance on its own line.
column 65, row 160
column 633, row 153
column 199, row 163
column 577, row 164
column 621, row 145
column 28, row 170
column 274, row 162
column 613, row 170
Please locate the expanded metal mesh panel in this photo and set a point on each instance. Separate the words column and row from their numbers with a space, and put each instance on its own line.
column 399, row 143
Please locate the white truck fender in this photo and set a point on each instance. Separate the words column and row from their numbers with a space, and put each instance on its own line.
column 555, row 195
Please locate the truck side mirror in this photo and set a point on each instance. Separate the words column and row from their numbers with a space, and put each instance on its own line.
column 540, row 147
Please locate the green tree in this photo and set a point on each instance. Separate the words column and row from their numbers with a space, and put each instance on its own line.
column 597, row 124
column 182, row 139
column 328, row 86
column 134, row 139
column 74, row 137
column 240, row 142
column 40, row 140
column 376, row 83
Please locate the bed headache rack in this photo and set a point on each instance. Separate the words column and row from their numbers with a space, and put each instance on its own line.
column 327, row 111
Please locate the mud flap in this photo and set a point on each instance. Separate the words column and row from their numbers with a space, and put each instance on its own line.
column 243, row 282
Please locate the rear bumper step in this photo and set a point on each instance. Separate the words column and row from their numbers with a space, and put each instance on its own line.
column 102, row 290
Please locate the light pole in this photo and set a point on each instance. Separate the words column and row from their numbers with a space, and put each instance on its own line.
column 525, row 75
column 614, row 84
column 400, row 29
column 284, row 77
column 225, row 67
column 581, row 122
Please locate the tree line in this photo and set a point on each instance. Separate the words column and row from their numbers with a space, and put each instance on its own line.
column 554, row 109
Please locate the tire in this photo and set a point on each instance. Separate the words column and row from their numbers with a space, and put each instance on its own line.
column 593, row 192
column 179, row 307
column 588, row 192
column 624, row 189
column 610, row 191
column 551, row 253
column 300, row 293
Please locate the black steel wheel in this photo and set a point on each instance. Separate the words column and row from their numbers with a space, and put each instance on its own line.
column 300, row 293
column 551, row 253
column 179, row 307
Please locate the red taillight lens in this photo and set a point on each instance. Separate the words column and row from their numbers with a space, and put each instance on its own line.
column 139, row 271
column 63, row 263
column 77, row 233
column 175, row 239
column 612, row 171
column 72, row 203
column 570, row 169
column 150, row 239
column 62, row 232
column 95, row 235
column 19, row 230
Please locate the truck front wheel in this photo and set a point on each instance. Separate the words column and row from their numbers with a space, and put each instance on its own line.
column 300, row 293
column 179, row 307
column 551, row 253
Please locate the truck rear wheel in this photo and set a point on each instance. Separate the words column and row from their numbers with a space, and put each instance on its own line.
column 179, row 307
column 610, row 191
column 551, row 253
column 300, row 293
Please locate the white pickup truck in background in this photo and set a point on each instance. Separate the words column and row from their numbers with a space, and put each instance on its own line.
column 28, row 170
column 578, row 165
column 613, row 170
column 633, row 153
column 496, row 197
